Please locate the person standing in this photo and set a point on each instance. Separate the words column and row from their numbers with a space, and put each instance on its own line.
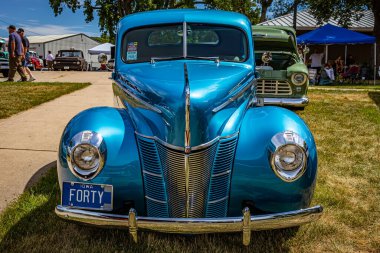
column 16, row 52
column 25, row 62
column 49, row 60
column 316, row 60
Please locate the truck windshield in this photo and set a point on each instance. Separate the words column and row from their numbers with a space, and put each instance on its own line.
column 202, row 41
column 70, row 54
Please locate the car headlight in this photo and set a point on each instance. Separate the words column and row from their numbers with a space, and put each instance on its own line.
column 288, row 156
column 299, row 78
column 86, row 154
column 78, row 62
column 55, row 62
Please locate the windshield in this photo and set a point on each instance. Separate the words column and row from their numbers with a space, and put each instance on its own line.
column 70, row 53
column 225, row 43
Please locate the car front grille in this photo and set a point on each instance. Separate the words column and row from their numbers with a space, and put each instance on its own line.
column 166, row 182
column 273, row 87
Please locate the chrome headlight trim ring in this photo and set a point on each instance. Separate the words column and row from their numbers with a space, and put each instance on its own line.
column 293, row 79
column 86, row 138
column 281, row 141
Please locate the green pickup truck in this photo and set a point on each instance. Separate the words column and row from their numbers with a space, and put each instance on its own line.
column 283, row 75
column 4, row 64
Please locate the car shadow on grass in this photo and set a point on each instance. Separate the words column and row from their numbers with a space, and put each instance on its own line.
column 375, row 96
column 31, row 225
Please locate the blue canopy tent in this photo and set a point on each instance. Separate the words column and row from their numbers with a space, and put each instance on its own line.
column 330, row 34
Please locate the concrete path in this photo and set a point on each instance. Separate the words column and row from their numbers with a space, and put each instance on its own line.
column 29, row 140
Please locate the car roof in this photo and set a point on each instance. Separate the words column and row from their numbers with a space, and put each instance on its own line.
column 182, row 15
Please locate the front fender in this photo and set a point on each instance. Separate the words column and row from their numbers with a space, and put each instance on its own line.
column 122, row 166
column 253, row 179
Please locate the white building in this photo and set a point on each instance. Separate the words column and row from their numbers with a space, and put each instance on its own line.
column 54, row 43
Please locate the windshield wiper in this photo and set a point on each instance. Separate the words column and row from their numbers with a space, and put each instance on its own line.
column 155, row 59
column 212, row 58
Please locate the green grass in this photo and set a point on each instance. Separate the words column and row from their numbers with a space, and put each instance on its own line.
column 346, row 126
column 17, row 97
column 345, row 87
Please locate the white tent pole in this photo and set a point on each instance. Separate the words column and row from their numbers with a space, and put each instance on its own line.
column 326, row 53
column 374, row 63
column 345, row 55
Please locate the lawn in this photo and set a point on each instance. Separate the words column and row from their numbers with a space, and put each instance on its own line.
column 346, row 126
column 17, row 97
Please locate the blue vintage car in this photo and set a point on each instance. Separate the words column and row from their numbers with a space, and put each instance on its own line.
column 187, row 149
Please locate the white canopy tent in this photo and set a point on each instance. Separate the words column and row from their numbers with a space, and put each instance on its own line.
column 101, row 49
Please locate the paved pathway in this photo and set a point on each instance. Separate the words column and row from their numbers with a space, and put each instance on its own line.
column 29, row 140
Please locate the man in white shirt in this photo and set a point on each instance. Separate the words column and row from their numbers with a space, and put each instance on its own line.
column 49, row 60
column 316, row 60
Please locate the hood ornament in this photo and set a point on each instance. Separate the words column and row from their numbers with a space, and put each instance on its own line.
column 187, row 112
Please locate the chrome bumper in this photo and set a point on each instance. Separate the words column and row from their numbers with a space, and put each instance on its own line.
column 291, row 102
column 245, row 223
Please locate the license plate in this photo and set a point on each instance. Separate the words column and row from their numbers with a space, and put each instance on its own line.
column 87, row 196
column 66, row 67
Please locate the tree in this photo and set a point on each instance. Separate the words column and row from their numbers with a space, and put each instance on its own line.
column 110, row 11
column 344, row 11
column 246, row 7
column 265, row 4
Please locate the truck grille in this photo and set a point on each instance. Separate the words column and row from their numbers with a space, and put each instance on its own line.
column 208, row 180
column 273, row 87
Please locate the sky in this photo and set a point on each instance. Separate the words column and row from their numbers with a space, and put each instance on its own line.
column 37, row 18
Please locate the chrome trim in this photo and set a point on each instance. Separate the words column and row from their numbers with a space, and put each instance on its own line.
column 246, row 226
column 193, row 225
column 273, row 87
column 218, row 200
column 187, row 179
column 194, row 148
column 90, row 138
column 236, row 96
column 187, row 112
column 155, row 200
column 221, row 174
column 143, row 103
column 291, row 102
column 152, row 174
column 283, row 139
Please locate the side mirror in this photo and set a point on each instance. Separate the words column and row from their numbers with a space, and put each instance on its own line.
column 113, row 52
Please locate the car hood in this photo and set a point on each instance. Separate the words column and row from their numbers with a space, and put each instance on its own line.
column 162, row 86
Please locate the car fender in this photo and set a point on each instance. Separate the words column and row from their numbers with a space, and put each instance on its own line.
column 253, row 179
column 122, row 165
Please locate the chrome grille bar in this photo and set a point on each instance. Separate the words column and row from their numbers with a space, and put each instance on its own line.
column 273, row 87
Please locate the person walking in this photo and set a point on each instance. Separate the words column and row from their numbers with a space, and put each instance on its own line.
column 49, row 60
column 16, row 52
column 25, row 62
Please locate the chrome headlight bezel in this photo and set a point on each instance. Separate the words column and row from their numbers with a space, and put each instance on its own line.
column 96, row 142
column 286, row 140
column 296, row 82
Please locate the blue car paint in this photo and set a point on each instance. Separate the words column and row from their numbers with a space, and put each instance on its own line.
column 161, row 85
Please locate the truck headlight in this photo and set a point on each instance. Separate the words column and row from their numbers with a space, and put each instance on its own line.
column 299, row 78
column 54, row 62
column 86, row 154
column 288, row 156
column 78, row 62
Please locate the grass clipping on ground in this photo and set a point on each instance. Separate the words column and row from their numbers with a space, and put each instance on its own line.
column 346, row 126
column 20, row 96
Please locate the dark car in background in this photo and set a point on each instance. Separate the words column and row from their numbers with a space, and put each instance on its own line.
column 70, row 60
column 4, row 63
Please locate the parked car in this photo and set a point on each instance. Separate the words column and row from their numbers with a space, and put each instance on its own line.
column 70, row 60
column 35, row 63
column 4, row 63
column 186, row 148
column 283, row 75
